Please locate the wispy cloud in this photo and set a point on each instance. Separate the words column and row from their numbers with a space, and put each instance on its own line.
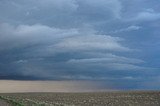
column 130, row 28
column 107, row 59
column 148, row 15
column 92, row 42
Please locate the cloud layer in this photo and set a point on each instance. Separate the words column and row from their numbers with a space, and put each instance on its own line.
column 107, row 40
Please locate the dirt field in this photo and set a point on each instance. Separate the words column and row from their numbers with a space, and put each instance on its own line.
column 4, row 103
column 86, row 99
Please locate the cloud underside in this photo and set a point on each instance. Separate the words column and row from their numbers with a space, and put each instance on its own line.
column 63, row 54
column 74, row 39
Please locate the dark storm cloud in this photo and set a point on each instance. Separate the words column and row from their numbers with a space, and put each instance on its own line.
column 37, row 48
column 79, row 39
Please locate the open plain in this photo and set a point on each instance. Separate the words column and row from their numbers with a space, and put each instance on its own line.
column 117, row 98
column 4, row 103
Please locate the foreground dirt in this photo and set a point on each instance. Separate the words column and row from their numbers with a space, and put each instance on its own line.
column 4, row 103
column 88, row 99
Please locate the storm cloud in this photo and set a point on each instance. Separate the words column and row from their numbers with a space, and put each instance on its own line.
column 109, row 40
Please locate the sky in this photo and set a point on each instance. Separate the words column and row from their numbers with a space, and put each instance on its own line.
column 116, row 42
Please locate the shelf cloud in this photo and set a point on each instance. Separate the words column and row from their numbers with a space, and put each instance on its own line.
column 109, row 40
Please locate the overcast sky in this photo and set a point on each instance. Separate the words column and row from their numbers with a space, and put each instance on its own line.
column 117, row 41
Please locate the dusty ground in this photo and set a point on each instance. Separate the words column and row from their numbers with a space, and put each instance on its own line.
column 88, row 99
column 4, row 103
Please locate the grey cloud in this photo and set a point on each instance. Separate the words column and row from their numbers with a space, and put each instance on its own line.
column 23, row 35
column 68, row 39
column 148, row 15
column 51, row 53
column 130, row 28
column 109, row 59
column 92, row 42
column 125, row 66
column 55, row 39
column 101, row 8
column 60, row 13
column 50, row 12
column 108, row 64
column 41, row 41
column 21, row 61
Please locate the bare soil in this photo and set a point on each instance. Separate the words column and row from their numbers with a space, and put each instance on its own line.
column 4, row 103
column 129, row 98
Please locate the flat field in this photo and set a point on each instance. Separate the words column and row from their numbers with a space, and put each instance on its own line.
column 4, row 103
column 117, row 98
